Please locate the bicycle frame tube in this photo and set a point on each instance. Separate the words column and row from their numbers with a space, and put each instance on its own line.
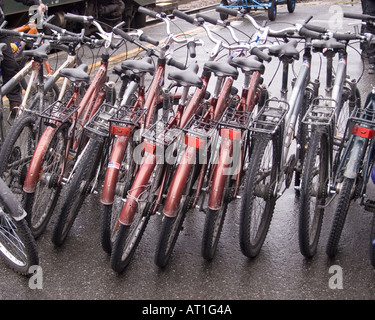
column 6, row 88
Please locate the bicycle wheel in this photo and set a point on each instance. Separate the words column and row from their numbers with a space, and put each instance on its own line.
column 272, row 10
column 17, row 245
column 214, row 224
column 344, row 199
column 127, row 237
column 171, row 226
column 16, row 153
column 258, row 199
column 372, row 243
column 76, row 190
column 314, row 186
column 41, row 204
column 111, row 213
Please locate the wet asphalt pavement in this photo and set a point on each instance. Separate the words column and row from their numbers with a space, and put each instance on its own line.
column 80, row 269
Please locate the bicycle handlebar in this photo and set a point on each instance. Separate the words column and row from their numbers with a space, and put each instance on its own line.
column 87, row 20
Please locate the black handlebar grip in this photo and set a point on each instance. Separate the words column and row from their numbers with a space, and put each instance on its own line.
column 345, row 36
column 309, row 34
column 148, row 12
column 228, row 11
column 260, row 54
column 123, row 34
column 207, row 19
column 191, row 48
column 146, row 38
column 70, row 39
column 175, row 63
column 10, row 32
column 315, row 28
column 358, row 16
column 183, row 16
column 79, row 18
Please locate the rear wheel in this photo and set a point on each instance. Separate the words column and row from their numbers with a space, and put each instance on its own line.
column 272, row 11
column 291, row 5
column 313, row 193
column 258, row 199
column 41, row 204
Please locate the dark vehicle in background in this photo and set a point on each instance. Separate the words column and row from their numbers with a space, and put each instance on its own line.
column 109, row 11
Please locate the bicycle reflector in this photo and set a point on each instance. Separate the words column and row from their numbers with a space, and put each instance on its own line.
column 363, row 132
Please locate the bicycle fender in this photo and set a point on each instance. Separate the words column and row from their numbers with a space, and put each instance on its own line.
column 10, row 202
column 113, row 169
column 138, row 187
column 351, row 170
column 178, row 183
column 32, row 176
column 221, row 173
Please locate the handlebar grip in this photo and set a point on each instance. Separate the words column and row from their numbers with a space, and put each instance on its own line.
column 315, row 28
column 12, row 33
column 345, row 36
column 309, row 34
column 78, row 18
column 191, row 48
column 175, row 63
column 183, row 16
column 148, row 12
column 228, row 11
column 70, row 39
column 358, row 16
column 260, row 54
column 146, row 38
column 207, row 19
column 123, row 34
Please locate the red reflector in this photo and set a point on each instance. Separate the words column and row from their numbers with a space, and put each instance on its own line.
column 194, row 142
column 120, row 131
column 363, row 132
column 230, row 134
column 148, row 147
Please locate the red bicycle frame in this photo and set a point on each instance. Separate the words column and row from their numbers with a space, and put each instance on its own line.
column 89, row 104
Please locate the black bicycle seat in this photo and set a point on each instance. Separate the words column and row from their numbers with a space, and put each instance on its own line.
column 76, row 74
column 248, row 64
column 41, row 52
column 139, row 66
column 221, row 69
column 186, row 78
column 328, row 44
column 285, row 50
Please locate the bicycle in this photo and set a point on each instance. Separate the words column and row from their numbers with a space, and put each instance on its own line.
column 17, row 245
column 326, row 117
column 61, row 143
column 276, row 126
column 356, row 160
column 21, row 141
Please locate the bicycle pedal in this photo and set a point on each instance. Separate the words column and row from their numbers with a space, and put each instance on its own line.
column 369, row 205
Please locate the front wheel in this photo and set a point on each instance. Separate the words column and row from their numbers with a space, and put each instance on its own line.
column 258, row 199
column 313, row 190
column 17, row 245
column 291, row 5
column 341, row 212
column 272, row 11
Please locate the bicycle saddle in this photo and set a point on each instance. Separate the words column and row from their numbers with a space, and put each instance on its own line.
column 41, row 52
column 139, row 66
column 187, row 78
column 76, row 74
column 328, row 44
column 221, row 69
column 285, row 50
column 248, row 64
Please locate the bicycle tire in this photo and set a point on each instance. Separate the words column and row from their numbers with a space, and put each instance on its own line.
column 17, row 245
column 342, row 208
column 76, row 190
column 127, row 237
column 314, row 185
column 258, row 191
column 40, row 204
column 111, row 213
column 372, row 243
column 272, row 10
column 172, row 226
column 16, row 153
